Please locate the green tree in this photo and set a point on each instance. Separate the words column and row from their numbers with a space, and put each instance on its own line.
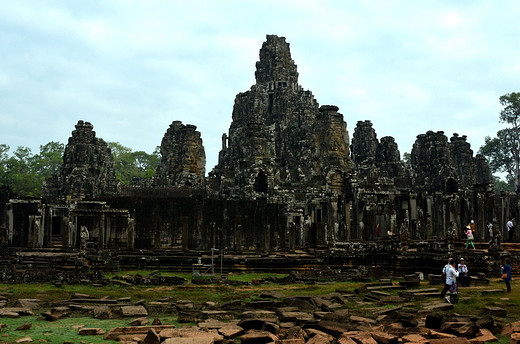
column 50, row 159
column 25, row 172
column 129, row 165
column 503, row 151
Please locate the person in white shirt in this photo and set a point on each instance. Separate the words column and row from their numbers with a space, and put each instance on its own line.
column 451, row 280
column 510, row 229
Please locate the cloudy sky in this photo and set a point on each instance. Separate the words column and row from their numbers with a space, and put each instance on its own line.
column 132, row 67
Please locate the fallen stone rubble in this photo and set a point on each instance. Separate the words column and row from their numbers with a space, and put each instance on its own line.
column 370, row 315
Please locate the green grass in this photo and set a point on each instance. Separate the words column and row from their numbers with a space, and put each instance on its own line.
column 64, row 329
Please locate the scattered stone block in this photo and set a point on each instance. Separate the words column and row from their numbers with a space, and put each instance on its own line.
column 453, row 340
column 91, row 331
column 190, row 333
column 24, row 340
column 256, row 336
column 359, row 319
column 232, row 305
column 102, row 312
column 231, row 331
column 469, row 330
column 360, row 337
column 293, row 332
column 133, row 311
column 117, row 332
column 384, row 338
column 334, row 328
column 142, row 321
column 515, row 338
column 495, row 311
column 7, row 314
column 511, row 328
column 297, row 317
column 319, row 339
column 486, row 322
column 24, row 327
column 433, row 321
column 151, row 337
column 290, row 341
column 214, row 324
column 201, row 340
column 313, row 333
column 189, row 317
column 28, row 303
column 21, row 311
column 414, row 338
column 219, row 315
column 484, row 336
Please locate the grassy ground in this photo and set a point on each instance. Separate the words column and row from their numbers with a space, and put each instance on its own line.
column 472, row 302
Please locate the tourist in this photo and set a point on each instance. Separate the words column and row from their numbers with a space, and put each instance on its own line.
column 506, row 275
column 444, row 270
column 470, row 229
column 510, row 229
column 490, row 232
column 462, row 268
column 451, row 282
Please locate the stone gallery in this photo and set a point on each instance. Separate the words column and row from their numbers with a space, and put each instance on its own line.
column 289, row 178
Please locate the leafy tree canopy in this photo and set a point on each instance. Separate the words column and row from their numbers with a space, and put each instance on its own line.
column 25, row 172
column 130, row 165
column 503, row 151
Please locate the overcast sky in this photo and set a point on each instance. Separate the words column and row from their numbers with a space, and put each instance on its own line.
column 132, row 67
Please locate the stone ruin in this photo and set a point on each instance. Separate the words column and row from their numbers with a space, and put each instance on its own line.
column 288, row 179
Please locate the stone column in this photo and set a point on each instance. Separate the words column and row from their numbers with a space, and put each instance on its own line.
column 347, row 221
column 185, row 233
column 101, row 231
column 130, row 236
column 238, row 237
column 292, row 236
column 267, row 239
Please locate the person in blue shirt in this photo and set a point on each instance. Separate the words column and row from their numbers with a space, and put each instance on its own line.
column 506, row 269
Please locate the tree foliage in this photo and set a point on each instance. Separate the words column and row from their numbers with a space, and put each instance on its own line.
column 24, row 172
column 130, row 165
column 503, row 151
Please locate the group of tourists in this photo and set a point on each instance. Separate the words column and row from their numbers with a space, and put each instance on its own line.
column 457, row 271
column 493, row 238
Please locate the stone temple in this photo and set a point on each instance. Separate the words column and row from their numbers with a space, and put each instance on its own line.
column 289, row 179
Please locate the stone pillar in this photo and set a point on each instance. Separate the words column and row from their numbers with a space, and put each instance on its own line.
column 267, row 239
column 67, row 232
column 333, row 222
column 292, row 236
column 480, row 219
column 10, row 227
column 185, row 233
column 101, row 231
column 347, row 221
column 34, row 228
column 108, row 231
column 238, row 237
column 130, row 236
